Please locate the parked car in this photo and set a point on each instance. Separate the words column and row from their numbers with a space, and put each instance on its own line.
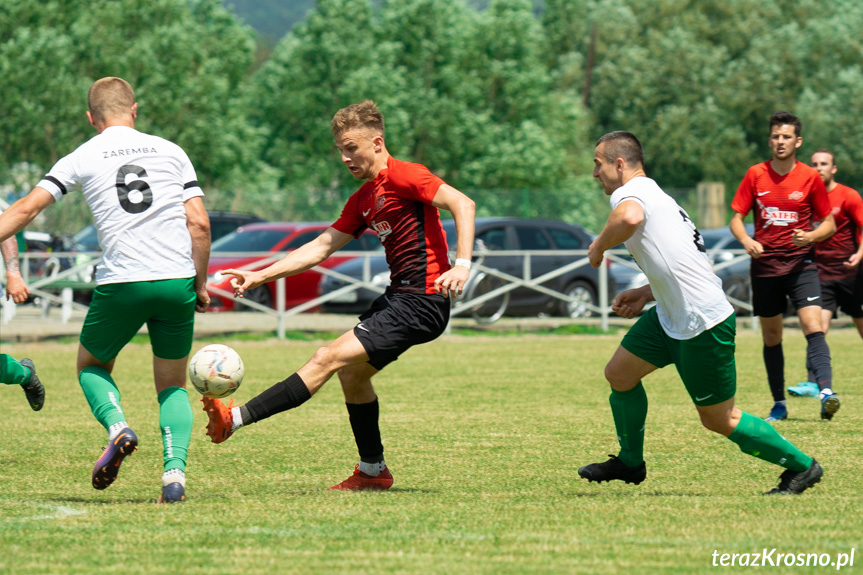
column 735, row 276
column 221, row 224
column 275, row 238
column 497, row 234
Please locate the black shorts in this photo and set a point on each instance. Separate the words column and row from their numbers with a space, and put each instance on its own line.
column 845, row 294
column 398, row 321
column 770, row 294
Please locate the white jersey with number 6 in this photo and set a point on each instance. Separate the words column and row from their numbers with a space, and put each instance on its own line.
column 670, row 252
column 135, row 185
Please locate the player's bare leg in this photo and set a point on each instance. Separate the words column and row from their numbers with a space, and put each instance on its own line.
column 362, row 404
column 175, row 422
column 629, row 408
column 287, row 394
column 104, row 398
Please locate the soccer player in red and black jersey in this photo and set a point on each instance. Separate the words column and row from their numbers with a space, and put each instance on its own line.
column 400, row 201
column 839, row 256
column 786, row 197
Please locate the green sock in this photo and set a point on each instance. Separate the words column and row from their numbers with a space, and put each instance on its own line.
column 629, row 409
column 102, row 395
column 12, row 372
column 175, row 419
column 758, row 438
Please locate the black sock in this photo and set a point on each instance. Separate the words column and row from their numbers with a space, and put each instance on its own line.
column 818, row 358
column 774, row 361
column 367, row 433
column 283, row 396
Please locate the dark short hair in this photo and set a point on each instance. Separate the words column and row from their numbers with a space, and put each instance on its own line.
column 621, row 144
column 784, row 118
column 825, row 151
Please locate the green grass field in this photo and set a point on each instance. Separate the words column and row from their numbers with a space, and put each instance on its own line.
column 484, row 436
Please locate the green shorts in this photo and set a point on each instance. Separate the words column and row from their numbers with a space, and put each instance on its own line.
column 705, row 362
column 119, row 310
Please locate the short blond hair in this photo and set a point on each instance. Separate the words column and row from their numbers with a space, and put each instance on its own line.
column 362, row 115
column 110, row 98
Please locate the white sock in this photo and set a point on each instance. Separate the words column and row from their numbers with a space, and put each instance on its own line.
column 783, row 402
column 825, row 392
column 373, row 469
column 115, row 429
column 237, row 418
column 174, row 476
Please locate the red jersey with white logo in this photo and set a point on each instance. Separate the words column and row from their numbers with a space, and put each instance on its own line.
column 847, row 209
column 397, row 205
column 780, row 205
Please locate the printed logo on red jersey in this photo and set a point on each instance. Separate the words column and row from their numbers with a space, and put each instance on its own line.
column 776, row 217
column 383, row 229
column 795, row 195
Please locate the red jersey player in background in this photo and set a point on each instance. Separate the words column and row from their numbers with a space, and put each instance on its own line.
column 400, row 201
column 838, row 257
column 786, row 197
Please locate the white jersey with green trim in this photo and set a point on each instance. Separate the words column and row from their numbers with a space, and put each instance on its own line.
column 670, row 252
column 135, row 185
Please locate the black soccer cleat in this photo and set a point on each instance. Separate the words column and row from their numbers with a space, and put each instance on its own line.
column 614, row 468
column 33, row 390
column 793, row 482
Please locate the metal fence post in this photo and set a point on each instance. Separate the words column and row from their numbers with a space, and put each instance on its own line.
column 603, row 295
column 280, row 306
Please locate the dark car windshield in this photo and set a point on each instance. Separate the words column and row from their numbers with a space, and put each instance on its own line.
column 249, row 241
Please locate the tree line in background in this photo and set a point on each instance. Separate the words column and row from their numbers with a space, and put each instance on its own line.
column 502, row 103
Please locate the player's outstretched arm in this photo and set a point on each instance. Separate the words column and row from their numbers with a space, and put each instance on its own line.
column 463, row 211
column 621, row 224
column 198, row 223
column 301, row 259
column 23, row 212
column 16, row 287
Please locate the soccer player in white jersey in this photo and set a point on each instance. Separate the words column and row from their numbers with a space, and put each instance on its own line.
column 691, row 326
column 13, row 372
column 155, row 239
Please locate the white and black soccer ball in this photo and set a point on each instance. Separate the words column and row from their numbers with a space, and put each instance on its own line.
column 216, row 370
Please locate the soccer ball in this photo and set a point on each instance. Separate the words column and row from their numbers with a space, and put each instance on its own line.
column 216, row 370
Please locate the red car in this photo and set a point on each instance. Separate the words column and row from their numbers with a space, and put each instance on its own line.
column 275, row 238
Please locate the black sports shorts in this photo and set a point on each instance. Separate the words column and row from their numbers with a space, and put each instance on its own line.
column 769, row 293
column 845, row 294
column 397, row 321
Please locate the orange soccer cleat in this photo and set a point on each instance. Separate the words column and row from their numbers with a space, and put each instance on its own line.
column 360, row 481
column 221, row 422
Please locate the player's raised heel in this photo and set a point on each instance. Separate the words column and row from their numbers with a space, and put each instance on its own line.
column 34, row 390
column 108, row 465
column 220, row 426
column 173, row 493
column 794, row 482
column 613, row 469
column 360, row 481
column 829, row 406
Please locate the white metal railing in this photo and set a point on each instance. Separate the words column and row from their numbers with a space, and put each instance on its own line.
column 79, row 276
